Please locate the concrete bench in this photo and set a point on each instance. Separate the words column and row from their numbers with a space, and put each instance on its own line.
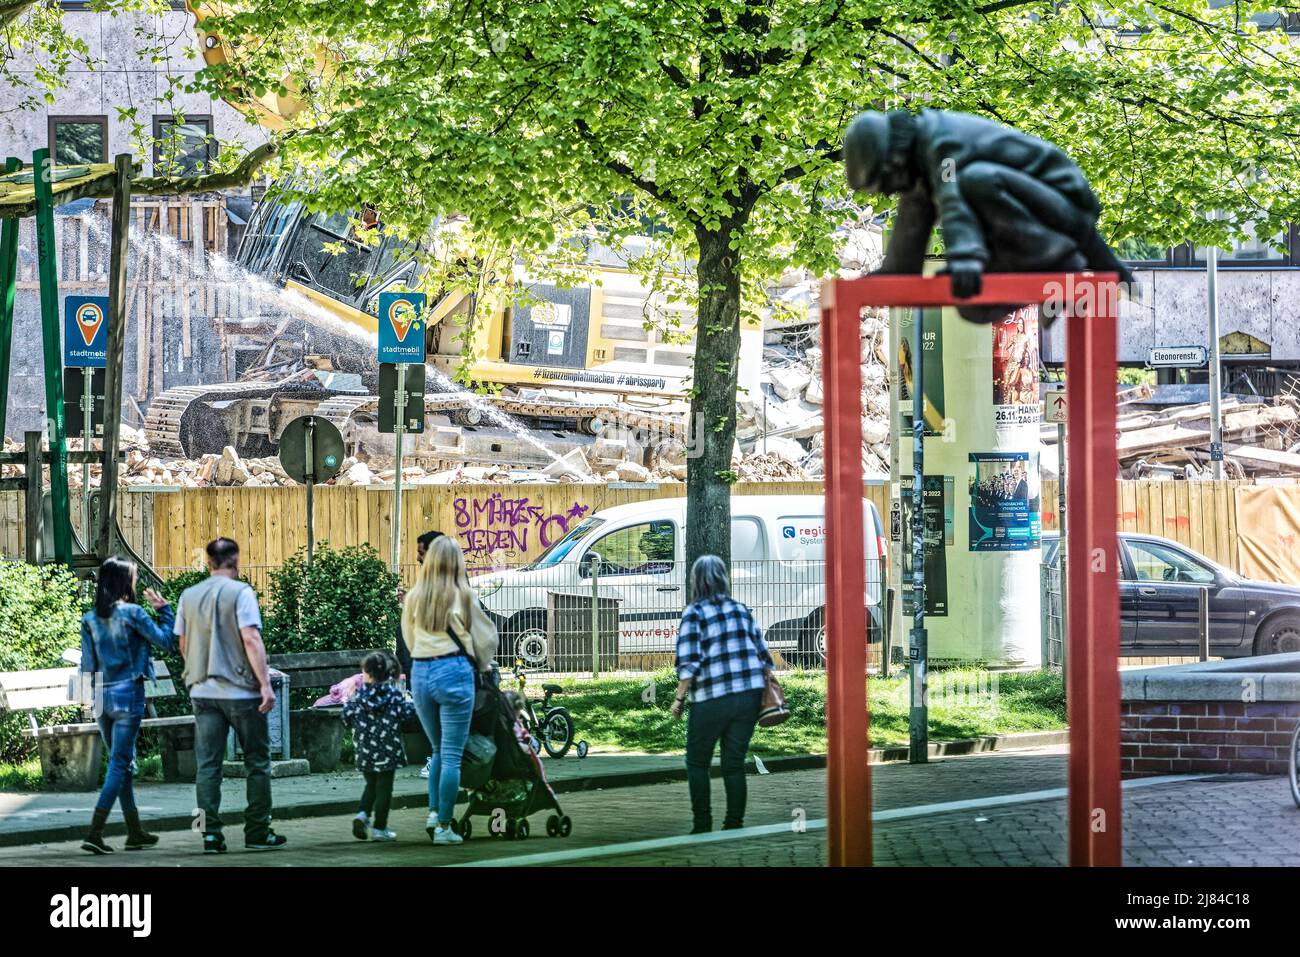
column 71, row 754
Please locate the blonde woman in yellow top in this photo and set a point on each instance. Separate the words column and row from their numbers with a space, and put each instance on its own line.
column 443, row 627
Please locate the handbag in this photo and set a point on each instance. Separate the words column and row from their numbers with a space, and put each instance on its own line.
column 476, row 762
column 485, row 685
column 773, row 709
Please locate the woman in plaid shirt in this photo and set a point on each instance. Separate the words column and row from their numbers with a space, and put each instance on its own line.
column 722, row 663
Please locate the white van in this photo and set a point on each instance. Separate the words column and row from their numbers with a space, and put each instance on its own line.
column 778, row 552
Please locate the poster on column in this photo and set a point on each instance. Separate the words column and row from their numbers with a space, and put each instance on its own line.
column 1015, row 369
column 931, row 370
column 937, row 499
column 1005, row 500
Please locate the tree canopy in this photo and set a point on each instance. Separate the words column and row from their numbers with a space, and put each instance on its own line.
column 721, row 120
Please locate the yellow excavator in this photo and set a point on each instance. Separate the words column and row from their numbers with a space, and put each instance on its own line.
column 570, row 361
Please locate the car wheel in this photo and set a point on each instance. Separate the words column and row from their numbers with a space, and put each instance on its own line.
column 1279, row 635
column 812, row 642
column 530, row 641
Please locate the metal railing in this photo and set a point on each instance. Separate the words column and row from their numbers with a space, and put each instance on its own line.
column 1053, row 625
column 544, row 612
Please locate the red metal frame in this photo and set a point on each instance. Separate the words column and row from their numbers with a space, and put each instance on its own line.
column 1093, row 692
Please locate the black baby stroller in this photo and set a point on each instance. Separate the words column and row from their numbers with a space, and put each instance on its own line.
column 516, row 786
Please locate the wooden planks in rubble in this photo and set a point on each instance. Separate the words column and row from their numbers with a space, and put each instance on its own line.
column 1191, row 433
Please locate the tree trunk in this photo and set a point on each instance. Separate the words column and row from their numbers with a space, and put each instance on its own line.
column 712, row 429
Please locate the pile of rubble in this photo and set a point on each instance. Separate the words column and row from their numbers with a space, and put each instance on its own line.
column 229, row 469
column 785, row 422
column 1155, row 440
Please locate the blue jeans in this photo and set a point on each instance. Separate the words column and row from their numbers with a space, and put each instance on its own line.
column 443, row 689
column 213, row 719
column 119, row 725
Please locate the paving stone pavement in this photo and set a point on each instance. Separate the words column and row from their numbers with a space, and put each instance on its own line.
column 1210, row 821
column 25, row 813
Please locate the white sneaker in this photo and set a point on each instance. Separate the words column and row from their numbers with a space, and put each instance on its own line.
column 424, row 771
column 445, row 835
column 431, row 821
column 383, row 837
column 361, row 826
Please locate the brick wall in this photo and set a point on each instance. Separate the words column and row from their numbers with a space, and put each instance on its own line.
column 1179, row 737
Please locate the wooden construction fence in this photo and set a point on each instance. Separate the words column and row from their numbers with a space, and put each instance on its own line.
column 499, row 524
column 1200, row 515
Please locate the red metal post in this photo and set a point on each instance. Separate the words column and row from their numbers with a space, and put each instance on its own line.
column 848, row 776
column 1096, row 836
column 1094, row 780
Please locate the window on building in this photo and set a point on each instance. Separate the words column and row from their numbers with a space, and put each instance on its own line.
column 1140, row 249
column 78, row 139
column 183, row 148
column 1250, row 249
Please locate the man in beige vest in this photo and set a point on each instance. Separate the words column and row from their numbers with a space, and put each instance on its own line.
column 220, row 629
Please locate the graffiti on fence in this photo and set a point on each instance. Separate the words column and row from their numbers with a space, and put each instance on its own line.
column 498, row 529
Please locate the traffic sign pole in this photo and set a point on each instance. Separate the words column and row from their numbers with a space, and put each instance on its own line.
column 918, row 726
column 399, row 432
column 1216, row 416
column 1062, row 577
column 311, row 485
column 87, row 432
column 1054, row 410
column 311, row 451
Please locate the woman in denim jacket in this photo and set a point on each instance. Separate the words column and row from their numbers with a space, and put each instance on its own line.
column 117, row 641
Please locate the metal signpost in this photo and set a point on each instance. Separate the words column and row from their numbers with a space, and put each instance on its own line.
column 1054, row 410
column 311, row 451
column 85, row 347
column 1216, row 416
column 401, row 341
column 918, row 725
column 1198, row 357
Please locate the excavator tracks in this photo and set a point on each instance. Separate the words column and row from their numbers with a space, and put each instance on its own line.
column 174, row 415
column 181, row 419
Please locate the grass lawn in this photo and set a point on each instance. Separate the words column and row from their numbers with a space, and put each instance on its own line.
column 632, row 713
column 26, row 776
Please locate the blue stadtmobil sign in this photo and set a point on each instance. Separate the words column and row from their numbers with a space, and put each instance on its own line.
column 401, row 328
column 85, row 331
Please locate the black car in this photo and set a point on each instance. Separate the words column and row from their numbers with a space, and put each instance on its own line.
column 1159, row 591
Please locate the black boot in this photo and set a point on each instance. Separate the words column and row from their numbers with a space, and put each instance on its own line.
column 137, row 838
column 94, row 842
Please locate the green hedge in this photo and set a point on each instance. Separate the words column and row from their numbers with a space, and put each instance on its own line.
column 40, row 618
column 347, row 600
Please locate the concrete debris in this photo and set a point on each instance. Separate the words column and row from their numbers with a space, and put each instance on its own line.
column 771, row 467
column 631, row 472
column 571, row 466
column 787, row 420
column 357, row 474
column 790, row 382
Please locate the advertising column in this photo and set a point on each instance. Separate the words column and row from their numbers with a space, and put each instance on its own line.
column 982, row 488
